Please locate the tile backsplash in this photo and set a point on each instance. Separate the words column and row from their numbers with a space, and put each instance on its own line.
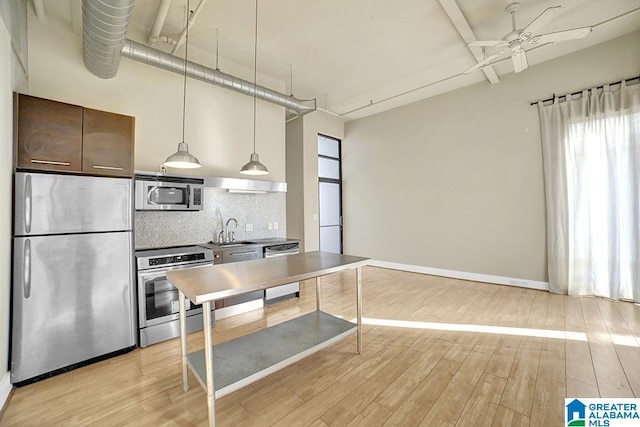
column 162, row 229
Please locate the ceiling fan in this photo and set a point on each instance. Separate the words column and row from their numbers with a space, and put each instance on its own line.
column 514, row 42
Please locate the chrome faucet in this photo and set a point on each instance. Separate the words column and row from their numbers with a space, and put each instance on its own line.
column 231, row 236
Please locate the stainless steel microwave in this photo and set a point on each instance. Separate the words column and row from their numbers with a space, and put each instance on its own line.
column 168, row 193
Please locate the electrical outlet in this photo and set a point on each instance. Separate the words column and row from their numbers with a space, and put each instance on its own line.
column 270, row 226
column 315, row 217
column 275, row 225
column 248, row 227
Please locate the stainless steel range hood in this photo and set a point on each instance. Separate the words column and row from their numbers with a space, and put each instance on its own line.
column 246, row 185
column 237, row 185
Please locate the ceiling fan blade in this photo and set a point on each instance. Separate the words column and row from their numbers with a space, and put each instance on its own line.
column 486, row 61
column 542, row 20
column 519, row 59
column 483, row 43
column 576, row 33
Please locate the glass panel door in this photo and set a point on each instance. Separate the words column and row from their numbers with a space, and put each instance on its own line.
column 161, row 297
column 330, row 194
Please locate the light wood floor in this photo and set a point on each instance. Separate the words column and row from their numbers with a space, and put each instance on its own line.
column 469, row 354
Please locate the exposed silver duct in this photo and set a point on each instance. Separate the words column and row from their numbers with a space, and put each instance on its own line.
column 148, row 55
column 104, row 32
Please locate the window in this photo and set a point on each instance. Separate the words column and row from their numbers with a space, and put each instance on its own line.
column 591, row 150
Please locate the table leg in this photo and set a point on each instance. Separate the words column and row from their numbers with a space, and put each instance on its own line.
column 208, row 359
column 183, row 341
column 318, row 295
column 359, row 306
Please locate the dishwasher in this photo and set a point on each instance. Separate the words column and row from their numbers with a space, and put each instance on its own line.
column 289, row 290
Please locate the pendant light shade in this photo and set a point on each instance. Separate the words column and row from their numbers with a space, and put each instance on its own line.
column 254, row 167
column 182, row 159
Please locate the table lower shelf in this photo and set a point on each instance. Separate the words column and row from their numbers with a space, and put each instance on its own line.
column 244, row 360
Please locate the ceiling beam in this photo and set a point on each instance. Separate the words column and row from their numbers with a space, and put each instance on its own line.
column 452, row 9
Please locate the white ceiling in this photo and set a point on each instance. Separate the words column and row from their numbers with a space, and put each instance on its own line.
column 348, row 53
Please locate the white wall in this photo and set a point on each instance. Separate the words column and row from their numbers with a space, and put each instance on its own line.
column 6, row 165
column 295, row 180
column 219, row 123
column 302, row 174
column 455, row 182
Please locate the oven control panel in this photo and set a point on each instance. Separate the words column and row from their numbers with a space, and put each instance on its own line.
column 147, row 259
column 175, row 259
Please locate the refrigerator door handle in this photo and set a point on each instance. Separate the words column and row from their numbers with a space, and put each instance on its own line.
column 26, row 271
column 27, row 204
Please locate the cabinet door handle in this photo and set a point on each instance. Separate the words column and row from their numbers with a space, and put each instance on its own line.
column 50, row 162
column 111, row 168
column 26, row 273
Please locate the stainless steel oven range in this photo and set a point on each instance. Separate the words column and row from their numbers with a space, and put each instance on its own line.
column 158, row 309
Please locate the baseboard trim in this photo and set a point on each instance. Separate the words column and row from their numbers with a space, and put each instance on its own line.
column 5, row 390
column 486, row 278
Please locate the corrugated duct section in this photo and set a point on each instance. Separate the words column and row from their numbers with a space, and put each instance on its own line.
column 104, row 32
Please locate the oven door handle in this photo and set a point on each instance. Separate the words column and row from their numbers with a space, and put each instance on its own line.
column 155, row 278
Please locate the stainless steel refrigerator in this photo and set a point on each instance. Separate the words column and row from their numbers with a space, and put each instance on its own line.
column 73, row 272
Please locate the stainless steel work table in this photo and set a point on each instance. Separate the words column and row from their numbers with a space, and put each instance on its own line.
column 239, row 362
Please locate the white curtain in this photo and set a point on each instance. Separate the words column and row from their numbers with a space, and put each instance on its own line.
column 591, row 154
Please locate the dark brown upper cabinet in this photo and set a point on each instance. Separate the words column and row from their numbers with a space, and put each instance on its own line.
column 107, row 143
column 49, row 134
column 55, row 136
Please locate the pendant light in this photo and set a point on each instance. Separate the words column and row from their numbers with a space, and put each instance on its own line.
column 254, row 167
column 182, row 158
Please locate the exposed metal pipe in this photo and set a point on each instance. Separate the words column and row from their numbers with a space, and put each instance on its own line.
column 148, row 55
column 189, row 24
column 104, row 31
column 161, row 16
